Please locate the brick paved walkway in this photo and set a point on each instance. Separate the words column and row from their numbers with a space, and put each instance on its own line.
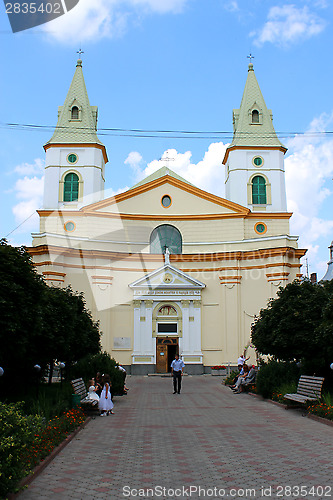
column 205, row 437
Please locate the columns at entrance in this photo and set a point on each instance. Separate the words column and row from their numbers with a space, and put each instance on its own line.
column 192, row 355
column 143, row 357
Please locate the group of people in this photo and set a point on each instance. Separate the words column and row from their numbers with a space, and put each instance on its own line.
column 246, row 376
column 100, row 390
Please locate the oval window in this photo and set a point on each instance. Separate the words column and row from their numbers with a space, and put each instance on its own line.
column 69, row 226
column 72, row 158
column 258, row 161
column 166, row 201
column 260, row 228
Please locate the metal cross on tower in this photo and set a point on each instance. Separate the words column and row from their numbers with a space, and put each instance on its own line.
column 80, row 52
column 250, row 56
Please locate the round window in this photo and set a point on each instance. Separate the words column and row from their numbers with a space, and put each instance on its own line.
column 260, row 228
column 166, row 201
column 72, row 158
column 258, row 161
column 69, row 226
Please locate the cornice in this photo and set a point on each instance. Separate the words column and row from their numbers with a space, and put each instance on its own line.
column 78, row 145
column 261, row 148
column 263, row 253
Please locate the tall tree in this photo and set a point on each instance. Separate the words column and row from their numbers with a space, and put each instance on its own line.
column 293, row 326
column 39, row 323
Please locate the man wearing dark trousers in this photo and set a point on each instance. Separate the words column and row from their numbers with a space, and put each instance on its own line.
column 177, row 371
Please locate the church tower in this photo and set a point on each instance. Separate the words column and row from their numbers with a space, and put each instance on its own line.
column 255, row 158
column 75, row 157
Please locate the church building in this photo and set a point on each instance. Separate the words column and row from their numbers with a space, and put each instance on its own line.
column 165, row 266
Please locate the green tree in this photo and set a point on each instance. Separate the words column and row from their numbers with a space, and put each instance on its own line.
column 21, row 290
column 298, row 324
column 39, row 323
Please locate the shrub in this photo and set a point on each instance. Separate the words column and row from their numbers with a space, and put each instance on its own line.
column 274, row 374
column 17, row 434
column 230, row 380
column 285, row 388
column 88, row 366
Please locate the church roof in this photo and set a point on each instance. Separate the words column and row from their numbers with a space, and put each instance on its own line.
column 246, row 132
column 158, row 174
column 83, row 128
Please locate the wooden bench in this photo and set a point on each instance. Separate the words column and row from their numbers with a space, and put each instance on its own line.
column 79, row 388
column 308, row 389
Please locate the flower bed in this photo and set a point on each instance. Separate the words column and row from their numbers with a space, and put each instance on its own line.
column 25, row 440
column 53, row 434
column 219, row 370
column 321, row 410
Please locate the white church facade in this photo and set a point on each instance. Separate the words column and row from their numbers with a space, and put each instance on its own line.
column 165, row 266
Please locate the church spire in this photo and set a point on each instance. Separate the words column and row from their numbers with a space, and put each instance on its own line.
column 254, row 160
column 329, row 273
column 77, row 120
column 253, row 125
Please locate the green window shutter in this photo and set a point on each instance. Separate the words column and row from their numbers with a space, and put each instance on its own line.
column 259, row 190
column 71, row 187
column 166, row 236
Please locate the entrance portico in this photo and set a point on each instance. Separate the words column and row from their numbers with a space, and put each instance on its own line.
column 167, row 304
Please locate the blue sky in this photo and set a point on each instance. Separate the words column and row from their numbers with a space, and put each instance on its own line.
column 174, row 65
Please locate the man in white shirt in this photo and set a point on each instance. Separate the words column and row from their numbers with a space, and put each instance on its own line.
column 177, row 371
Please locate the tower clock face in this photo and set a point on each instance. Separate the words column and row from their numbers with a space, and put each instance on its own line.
column 72, row 158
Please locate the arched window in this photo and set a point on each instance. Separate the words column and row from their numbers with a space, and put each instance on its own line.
column 165, row 236
column 71, row 187
column 75, row 113
column 259, row 196
column 255, row 116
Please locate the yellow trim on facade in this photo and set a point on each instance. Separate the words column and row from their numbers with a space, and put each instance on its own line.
column 239, row 209
column 232, row 255
column 257, row 148
column 78, row 145
column 107, row 215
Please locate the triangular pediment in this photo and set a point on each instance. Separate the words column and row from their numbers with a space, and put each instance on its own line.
column 167, row 277
column 146, row 198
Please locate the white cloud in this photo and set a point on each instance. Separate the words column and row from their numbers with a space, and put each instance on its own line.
column 30, row 168
column 288, row 24
column 29, row 190
column 309, row 170
column 96, row 19
column 207, row 174
column 134, row 160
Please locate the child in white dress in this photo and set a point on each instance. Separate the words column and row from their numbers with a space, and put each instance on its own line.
column 105, row 403
column 92, row 391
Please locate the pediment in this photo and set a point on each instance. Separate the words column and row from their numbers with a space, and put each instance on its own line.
column 167, row 277
column 187, row 201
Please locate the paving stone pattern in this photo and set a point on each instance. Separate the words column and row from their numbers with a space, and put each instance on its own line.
column 206, row 437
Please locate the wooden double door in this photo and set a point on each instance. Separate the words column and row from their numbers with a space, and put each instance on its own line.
column 166, row 349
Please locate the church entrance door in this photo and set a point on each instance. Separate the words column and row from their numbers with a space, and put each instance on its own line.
column 166, row 348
